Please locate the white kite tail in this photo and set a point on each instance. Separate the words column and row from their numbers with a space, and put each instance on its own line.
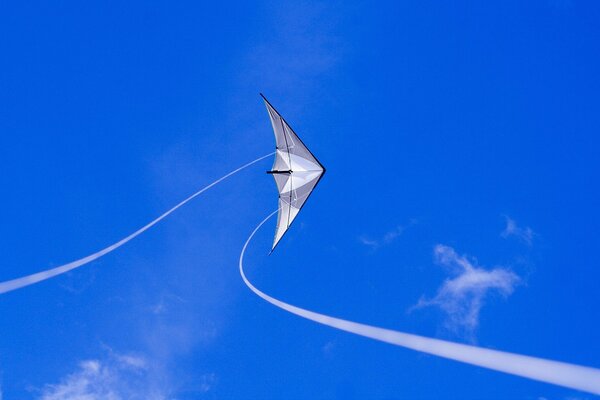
column 18, row 283
column 577, row 377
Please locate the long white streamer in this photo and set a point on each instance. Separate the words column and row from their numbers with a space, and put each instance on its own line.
column 586, row 379
column 18, row 283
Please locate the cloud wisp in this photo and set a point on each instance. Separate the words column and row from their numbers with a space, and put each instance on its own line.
column 117, row 377
column 462, row 296
column 305, row 48
column 387, row 238
column 525, row 234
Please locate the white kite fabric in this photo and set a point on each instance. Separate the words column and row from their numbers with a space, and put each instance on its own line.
column 18, row 283
column 296, row 172
column 572, row 376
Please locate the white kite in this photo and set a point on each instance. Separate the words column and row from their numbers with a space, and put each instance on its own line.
column 296, row 171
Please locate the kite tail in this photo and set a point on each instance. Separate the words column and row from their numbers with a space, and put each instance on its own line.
column 577, row 377
column 18, row 283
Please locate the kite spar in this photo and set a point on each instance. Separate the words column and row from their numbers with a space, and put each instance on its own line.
column 573, row 376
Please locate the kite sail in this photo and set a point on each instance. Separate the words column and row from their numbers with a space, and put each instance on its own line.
column 296, row 171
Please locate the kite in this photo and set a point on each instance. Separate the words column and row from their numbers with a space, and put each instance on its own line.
column 296, row 172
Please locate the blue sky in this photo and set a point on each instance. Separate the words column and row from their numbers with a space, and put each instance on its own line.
column 466, row 131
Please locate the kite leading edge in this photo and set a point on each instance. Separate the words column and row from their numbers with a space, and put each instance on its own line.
column 296, row 172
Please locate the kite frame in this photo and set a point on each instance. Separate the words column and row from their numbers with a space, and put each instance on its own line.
column 307, row 149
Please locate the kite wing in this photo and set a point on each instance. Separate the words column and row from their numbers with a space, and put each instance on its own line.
column 296, row 171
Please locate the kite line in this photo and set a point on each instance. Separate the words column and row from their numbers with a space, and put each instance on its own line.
column 18, row 283
column 573, row 376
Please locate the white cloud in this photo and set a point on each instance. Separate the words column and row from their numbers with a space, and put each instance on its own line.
column 303, row 46
column 512, row 229
column 117, row 377
column 132, row 361
column 328, row 348
column 386, row 239
column 207, row 381
column 462, row 296
column 166, row 300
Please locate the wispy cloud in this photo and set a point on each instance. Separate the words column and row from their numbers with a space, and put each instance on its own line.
column 328, row 348
column 303, row 46
column 165, row 301
column 386, row 238
column 115, row 377
column 525, row 234
column 207, row 382
column 462, row 296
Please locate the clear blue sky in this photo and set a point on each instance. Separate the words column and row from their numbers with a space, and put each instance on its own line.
column 472, row 125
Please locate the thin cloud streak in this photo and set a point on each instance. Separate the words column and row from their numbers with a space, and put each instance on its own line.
column 306, row 47
column 462, row 296
column 388, row 238
column 525, row 234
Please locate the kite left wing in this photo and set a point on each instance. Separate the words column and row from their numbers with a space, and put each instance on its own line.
column 296, row 171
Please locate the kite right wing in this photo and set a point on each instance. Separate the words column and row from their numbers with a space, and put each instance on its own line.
column 296, row 172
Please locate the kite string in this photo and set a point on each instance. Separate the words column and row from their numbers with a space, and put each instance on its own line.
column 573, row 376
column 18, row 283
